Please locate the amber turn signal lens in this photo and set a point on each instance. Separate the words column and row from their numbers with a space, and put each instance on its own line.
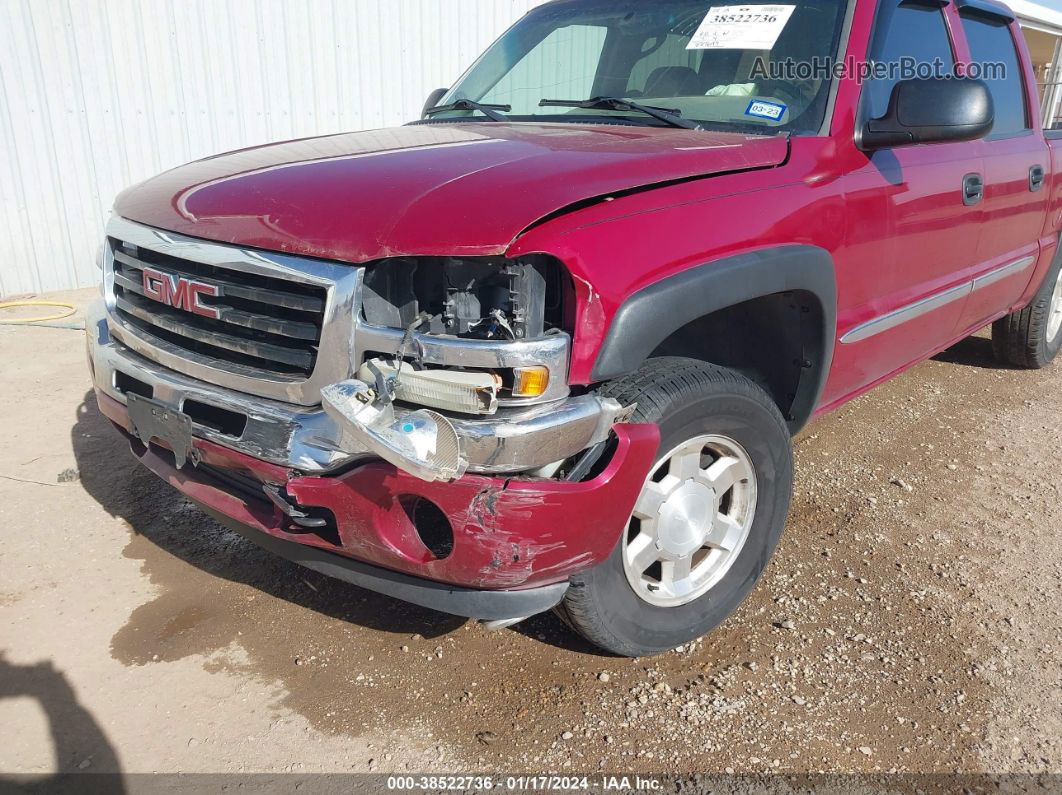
column 530, row 381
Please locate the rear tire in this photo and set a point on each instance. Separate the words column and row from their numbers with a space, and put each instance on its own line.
column 1032, row 337
column 711, row 512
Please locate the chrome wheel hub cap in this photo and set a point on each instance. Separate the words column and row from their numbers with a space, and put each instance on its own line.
column 1054, row 313
column 691, row 520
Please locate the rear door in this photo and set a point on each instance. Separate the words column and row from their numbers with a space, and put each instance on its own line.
column 1016, row 163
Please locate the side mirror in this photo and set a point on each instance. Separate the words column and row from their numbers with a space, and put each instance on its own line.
column 433, row 100
column 931, row 110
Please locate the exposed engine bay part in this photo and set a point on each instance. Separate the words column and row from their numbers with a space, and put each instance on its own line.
column 463, row 391
column 421, row 442
column 487, row 299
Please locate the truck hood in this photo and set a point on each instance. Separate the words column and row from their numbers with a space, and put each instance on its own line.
column 443, row 189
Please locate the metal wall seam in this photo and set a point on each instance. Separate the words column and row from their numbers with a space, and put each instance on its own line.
column 96, row 95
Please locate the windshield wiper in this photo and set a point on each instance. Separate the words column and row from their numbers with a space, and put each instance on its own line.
column 666, row 115
column 490, row 111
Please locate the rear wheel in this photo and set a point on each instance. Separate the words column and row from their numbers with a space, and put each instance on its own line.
column 1032, row 337
column 707, row 519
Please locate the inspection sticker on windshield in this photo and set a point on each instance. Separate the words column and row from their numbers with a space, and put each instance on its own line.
column 765, row 110
column 741, row 28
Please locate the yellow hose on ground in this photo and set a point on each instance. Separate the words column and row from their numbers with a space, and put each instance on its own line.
column 69, row 309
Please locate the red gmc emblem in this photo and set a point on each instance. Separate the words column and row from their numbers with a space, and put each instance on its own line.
column 180, row 293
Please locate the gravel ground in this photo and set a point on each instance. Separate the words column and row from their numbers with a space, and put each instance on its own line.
column 910, row 621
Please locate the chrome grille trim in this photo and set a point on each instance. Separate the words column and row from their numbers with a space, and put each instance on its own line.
column 286, row 300
column 267, row 333
column 173, row 322
column 252, row 320
column 157, row 332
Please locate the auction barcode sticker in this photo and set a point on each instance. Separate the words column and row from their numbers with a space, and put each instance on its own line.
column 741, row 28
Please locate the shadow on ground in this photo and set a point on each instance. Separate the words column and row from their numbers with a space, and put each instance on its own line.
column 79, row 741
column 972, row 352
column 323, row 640
column 158, row 513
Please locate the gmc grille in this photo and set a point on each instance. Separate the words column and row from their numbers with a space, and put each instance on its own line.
column 264, row 324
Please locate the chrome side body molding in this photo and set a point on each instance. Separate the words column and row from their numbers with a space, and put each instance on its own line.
column 907, row 313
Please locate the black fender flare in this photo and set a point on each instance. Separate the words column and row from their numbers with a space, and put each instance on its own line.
column 654, row 313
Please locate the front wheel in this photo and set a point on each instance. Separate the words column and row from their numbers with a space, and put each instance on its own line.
column 707, row 519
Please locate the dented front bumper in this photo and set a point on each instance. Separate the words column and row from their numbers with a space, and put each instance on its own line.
column 301, row 478
column 506, row 533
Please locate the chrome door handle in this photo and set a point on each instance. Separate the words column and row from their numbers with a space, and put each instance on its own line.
column 973, row 189
column 1036, row 178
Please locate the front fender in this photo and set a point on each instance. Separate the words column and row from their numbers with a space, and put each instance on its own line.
column 650, row 316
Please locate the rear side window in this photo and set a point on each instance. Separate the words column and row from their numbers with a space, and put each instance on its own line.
column 907, row 34
column 992, row 47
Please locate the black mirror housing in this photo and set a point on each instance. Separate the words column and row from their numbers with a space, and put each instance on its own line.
column 433, row 100
column 931, row 110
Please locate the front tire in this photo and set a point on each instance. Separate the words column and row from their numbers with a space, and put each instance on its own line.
column 707, row 520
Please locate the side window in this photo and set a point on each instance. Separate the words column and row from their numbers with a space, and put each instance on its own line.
column 910, row 33
column 563, row 66
column 992, row 47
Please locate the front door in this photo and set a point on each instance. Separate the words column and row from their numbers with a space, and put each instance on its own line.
column 914, row 228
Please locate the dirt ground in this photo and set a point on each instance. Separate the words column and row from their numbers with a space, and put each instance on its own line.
column 910, row 622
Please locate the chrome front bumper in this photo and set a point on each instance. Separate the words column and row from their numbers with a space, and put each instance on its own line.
column 308, row 440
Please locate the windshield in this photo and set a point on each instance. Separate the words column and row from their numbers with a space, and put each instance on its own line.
column 724, row 66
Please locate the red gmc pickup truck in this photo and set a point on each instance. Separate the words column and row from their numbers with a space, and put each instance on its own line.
column 547, row 346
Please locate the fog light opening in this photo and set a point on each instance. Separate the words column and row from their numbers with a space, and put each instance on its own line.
column 431, row 524
column 328, row 532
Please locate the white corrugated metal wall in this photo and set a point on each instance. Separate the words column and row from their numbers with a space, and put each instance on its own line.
column 96, row 95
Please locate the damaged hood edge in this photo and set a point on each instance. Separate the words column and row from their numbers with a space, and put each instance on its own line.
column 428, row 190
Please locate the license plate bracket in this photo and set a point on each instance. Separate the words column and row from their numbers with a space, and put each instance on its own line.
column 152, row 420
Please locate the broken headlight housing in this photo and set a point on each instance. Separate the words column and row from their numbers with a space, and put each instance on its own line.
column 471, row 302
column 479, row 299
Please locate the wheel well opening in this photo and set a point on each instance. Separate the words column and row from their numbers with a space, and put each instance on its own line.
column 774, row 340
